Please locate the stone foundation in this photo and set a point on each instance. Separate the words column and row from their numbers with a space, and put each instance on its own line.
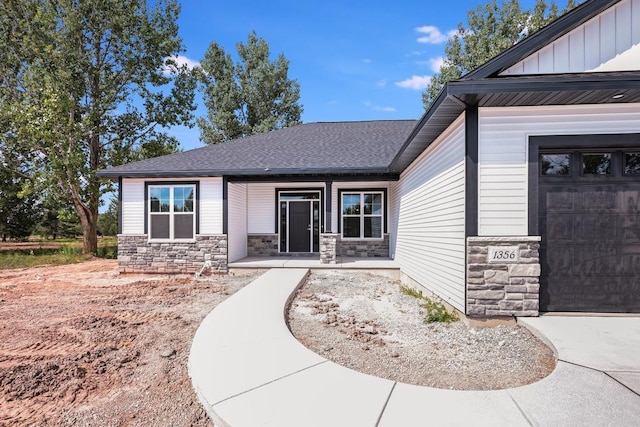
column 363, row 248
column 137, row 255
column 506, row 285
column 262, row 245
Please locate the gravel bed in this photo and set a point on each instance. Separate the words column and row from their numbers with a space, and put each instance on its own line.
column 364, row 322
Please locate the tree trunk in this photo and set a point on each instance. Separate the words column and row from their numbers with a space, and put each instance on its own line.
column 90, row 235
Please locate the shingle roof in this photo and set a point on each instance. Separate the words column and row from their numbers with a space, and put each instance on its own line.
column 336, row 147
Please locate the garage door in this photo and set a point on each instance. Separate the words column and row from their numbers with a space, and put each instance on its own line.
column 589, row 220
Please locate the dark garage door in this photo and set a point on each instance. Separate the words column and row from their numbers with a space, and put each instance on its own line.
column 589, row 220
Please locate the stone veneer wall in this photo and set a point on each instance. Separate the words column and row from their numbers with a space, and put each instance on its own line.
column 262, row 245
column 363, row 248
column 137, row 255
column 328, row 248
column 509, row 288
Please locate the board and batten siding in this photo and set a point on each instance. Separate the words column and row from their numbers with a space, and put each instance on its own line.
column 133, row 211
column 503, row 154
column 237, row 223
column 261, row 204
column 428, row 217
column 607, row 42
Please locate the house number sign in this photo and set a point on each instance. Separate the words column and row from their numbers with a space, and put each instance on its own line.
column 503, row 254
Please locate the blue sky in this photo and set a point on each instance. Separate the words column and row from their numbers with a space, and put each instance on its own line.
column 354, row 59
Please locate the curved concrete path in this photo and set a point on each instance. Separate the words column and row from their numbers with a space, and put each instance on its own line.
column 248, row 370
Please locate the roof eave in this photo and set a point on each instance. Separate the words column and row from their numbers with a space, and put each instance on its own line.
column 290, row 172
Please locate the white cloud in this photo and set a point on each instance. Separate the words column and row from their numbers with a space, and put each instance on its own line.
column 367, row 61
column 415, row 82
column 436, row 63
column 180, row 60
column 375, row 107
column 433, row 35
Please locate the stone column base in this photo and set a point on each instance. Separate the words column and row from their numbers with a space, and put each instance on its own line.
column 503, row 276
column 329, row 248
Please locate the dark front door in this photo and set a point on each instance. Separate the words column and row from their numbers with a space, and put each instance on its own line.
column 300, row 226
column 589, row 218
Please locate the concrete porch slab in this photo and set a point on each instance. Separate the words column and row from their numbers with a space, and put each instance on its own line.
column 314, row 263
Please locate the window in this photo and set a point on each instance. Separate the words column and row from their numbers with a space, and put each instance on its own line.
column 632, row 163
column 362, row 215
column 554, row 164
column 596, row 164
column 172, row 212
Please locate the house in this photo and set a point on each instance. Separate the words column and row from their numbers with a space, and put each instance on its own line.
column 518, row 191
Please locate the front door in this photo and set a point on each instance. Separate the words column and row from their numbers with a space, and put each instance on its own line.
column 300, row 223
column 299, row 220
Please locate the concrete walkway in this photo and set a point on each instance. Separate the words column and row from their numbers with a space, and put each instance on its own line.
column 248, row 370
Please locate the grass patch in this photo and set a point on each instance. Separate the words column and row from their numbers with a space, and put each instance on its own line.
column 436, row 310
column 67, row 254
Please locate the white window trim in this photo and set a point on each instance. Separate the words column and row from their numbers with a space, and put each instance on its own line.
column 171, row 213
column 362, row 215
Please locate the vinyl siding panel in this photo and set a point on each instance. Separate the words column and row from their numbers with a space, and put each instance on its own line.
column 237, row 224
column 503, row 154
column 594, row 46
column 211, row 206
column 133, row 206
column 261, row 204
column 427, row 217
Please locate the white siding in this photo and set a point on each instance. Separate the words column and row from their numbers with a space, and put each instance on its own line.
column 132, row 206
column 428, row 217
column 237, row 232
column 607, row 42
column 261, row 204
column 133, row 212
column 503, row 151
column 211, row 206
column 353, row 185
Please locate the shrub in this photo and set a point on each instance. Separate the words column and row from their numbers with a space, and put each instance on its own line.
column 436, row 310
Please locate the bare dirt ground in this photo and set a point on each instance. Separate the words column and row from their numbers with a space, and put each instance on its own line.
column 82, row 345
column 363, row 321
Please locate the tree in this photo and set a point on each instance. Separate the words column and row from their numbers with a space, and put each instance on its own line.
column 252, row 96
column 18, row 212
column 89, row 84
column 108, row 220
column 491, row 29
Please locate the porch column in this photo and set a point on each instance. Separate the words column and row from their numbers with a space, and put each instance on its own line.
column 328, row 240
column 327, row 203
column 328, row 248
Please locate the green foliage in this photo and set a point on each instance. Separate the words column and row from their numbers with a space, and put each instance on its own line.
column 18, row 212
column 37, row 257
column 69, row 253
column 490, row 30
column 436, row 310
column 108, row 221
column 251, row 96
column 86, row 85
column 58, row 218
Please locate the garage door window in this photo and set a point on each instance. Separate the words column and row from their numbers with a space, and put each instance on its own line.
column 596, row 164
column 554, row 164
column 632, row 163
